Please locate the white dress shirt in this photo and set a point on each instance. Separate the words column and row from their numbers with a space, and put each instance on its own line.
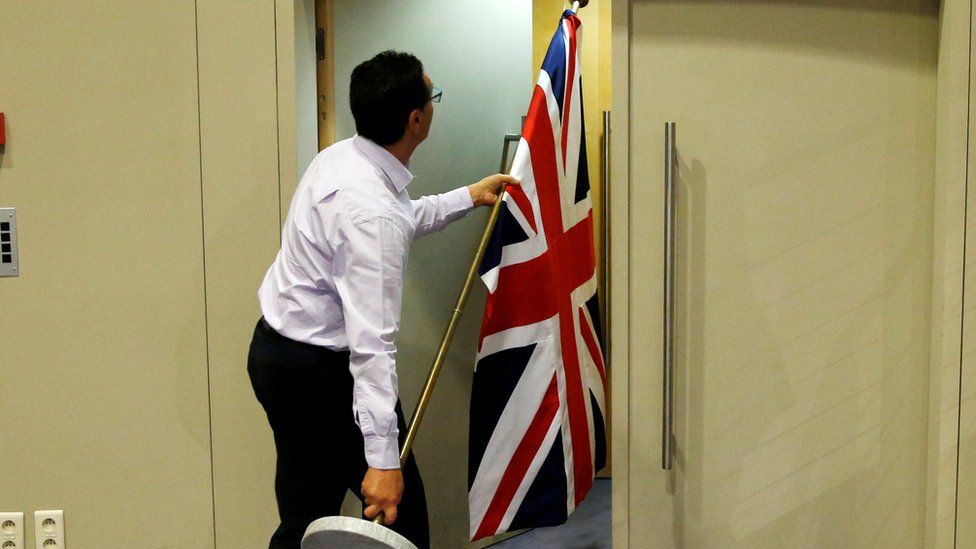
column 337, row 280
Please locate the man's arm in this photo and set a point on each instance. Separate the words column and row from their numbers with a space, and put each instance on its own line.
column 368, row 273
column 435, row 212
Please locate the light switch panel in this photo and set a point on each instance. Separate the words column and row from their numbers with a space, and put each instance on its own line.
column 9, row 258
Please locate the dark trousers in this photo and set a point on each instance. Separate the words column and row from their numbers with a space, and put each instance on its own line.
column 306, row 391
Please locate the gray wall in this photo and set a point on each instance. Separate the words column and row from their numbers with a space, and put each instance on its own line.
column 480, row 54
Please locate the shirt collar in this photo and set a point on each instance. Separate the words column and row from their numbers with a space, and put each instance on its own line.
column 395, row 171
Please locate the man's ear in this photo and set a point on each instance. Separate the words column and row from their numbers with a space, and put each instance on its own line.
column 416, row 121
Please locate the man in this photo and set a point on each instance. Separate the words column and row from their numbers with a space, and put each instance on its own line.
column 323, row 357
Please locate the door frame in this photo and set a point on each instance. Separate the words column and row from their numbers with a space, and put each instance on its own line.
column 949, row 231
column 620, row 316
column 325, row 73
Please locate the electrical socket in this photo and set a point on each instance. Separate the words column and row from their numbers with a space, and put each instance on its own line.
column 12, row 531
column 48, row 529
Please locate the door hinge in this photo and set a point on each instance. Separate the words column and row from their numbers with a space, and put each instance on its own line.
column 320, row 43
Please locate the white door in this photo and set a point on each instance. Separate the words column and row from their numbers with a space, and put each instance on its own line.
column 805, row 139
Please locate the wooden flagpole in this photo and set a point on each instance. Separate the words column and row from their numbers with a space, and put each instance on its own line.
column 435, row 369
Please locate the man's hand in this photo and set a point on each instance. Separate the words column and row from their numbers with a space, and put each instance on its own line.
column 486, row 191
column 382, row 490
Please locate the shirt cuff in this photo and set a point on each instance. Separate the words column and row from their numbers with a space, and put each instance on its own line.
column 382, row 452
column 459, row 200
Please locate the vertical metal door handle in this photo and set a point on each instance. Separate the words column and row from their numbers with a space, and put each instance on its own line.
column 605, row 184
column 670, row 167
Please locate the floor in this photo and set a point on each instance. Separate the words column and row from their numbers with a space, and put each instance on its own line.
column 587, row 528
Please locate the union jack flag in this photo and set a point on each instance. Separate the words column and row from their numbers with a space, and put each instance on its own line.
column 537, row 435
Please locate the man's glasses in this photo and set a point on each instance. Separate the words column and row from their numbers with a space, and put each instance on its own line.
column 435, row 95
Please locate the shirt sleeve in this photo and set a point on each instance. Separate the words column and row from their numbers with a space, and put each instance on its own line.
column 435, row 212
column 368, row 274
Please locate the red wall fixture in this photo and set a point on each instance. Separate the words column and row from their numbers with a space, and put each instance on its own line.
column 3, row 137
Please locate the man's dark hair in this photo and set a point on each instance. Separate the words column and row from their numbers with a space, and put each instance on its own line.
column 383, row 92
